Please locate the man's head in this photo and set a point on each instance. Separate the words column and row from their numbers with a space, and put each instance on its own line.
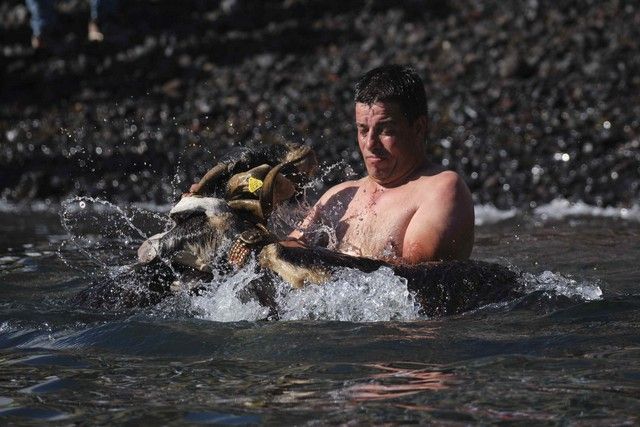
column 391, row 117
column 394, row 83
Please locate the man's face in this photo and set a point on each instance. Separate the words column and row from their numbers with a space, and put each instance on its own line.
column 391, row 146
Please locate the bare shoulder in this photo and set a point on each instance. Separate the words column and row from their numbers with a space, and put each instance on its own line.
column 445, row 186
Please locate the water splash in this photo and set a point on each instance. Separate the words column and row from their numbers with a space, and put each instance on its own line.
column 353, row 296
column 105, row 233
column 561, row 285
column 562, row 208
column 350, row 295
column 289, row 216
column 109, row 235
column 489, row 214
column 221, row 302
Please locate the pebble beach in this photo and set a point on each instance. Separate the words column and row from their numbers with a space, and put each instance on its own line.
column 529, row 101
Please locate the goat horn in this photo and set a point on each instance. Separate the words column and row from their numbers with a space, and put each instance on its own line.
column 266, row 195
column 210, row 176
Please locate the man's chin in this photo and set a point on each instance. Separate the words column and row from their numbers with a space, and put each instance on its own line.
column 378, row 176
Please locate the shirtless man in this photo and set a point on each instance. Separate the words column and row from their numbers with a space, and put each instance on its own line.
column 406, row 210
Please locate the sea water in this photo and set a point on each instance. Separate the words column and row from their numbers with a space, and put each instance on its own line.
column 353, row 351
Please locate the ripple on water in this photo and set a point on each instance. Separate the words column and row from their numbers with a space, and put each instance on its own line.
column 49, row 385
column 210, row 417
column 40, row 414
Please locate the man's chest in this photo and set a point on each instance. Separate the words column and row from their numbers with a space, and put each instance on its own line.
column 374, row 224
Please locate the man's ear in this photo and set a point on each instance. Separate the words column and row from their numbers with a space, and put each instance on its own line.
column 420, row 126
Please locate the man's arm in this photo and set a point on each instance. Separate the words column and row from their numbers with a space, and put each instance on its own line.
column 315, row 215
column 442, row 227
column 312, row 217
column 297, row 237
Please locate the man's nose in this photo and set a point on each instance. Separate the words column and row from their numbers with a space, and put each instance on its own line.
column 371, row 140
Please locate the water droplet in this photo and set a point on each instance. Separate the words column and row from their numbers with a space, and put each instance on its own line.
column 83, row 205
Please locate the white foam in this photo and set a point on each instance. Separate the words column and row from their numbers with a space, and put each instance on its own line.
column 221, row 303
column 562, row 285
column 32, row 206
column 350, row 295
column 54, row 207
column 353, row 296
column 562, row 208
column 557, row 209
column 489, row 214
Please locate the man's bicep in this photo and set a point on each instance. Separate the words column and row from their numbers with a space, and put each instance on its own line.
column 424, row 238
column 442, row 230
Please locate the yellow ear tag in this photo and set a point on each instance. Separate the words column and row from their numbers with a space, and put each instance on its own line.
column 254, row 184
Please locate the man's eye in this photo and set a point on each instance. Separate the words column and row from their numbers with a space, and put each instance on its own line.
column 362, row 131
column 388, row 131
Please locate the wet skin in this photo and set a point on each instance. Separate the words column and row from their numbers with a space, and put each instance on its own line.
column 405, row 210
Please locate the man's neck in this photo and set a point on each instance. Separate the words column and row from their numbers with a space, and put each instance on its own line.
column 408, row 176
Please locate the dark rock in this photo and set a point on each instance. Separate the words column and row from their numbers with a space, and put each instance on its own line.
column 180, row 82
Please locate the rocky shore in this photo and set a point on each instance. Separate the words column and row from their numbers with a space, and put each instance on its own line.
column 529, row 100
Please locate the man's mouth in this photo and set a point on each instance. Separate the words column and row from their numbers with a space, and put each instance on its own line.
column 375, row 159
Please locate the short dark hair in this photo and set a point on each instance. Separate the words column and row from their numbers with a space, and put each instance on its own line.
column 394, row 83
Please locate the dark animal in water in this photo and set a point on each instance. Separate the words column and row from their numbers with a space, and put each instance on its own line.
column 216, row 231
